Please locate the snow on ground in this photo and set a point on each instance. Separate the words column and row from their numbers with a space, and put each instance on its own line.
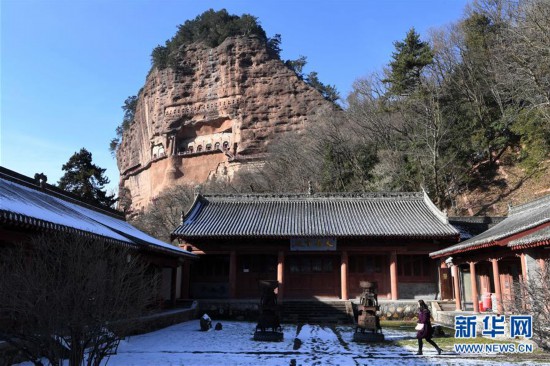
column 185, row 344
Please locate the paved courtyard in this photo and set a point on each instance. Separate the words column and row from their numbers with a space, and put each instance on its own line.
column 185, row 344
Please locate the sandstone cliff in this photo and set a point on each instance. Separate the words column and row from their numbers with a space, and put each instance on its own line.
column 211, row 115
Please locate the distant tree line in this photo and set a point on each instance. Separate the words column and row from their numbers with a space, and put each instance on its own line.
column 444, row 114
column 447, row 110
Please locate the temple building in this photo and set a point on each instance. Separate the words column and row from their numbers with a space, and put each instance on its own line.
column 491, row 263
column 31, row 206
column 315, row 245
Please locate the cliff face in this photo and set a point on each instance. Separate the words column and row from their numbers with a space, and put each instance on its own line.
column 211, row 115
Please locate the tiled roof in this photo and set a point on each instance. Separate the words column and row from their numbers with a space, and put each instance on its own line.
column 24, row 204
column 473, row 225
column 521, row 218
column 539, row 237
column 318, row 215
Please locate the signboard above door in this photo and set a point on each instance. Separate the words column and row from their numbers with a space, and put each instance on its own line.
column 312, row 244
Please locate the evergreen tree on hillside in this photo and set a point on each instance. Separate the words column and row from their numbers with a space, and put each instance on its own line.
column 329, row 92
column 129, row 108
column 409, row 58
column 212, row 28
column 85, row 179
column 486, row 108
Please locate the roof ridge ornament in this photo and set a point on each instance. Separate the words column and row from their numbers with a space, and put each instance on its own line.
column 41, row 179
column 197, row 190
column 441, row 215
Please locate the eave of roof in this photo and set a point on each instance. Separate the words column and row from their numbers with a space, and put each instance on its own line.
column 25, row 205
column 536, row 239
column 13, row 219
column 521, row 218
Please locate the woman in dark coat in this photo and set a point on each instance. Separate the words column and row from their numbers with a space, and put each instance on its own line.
column 426, row 331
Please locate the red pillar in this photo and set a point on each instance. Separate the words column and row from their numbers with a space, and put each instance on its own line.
column 496, row 280
column 393, row 275
column 456, row 285
column 542, row 264
column 233, row 274
column 344, row 275
column 280, row 274
column 475, row 297
column 523, row 261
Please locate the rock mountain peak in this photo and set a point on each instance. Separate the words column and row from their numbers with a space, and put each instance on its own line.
column 213, row 113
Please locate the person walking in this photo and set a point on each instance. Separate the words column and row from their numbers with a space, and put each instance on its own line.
column 424, row 327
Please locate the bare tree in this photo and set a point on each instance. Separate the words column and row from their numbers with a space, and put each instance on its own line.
column 163, row 215
column 69, row 297
column 522, row 46
column 532, row 297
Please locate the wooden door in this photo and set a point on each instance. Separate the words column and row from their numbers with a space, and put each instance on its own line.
column 308, row 276
column 509, row 279
column 446, row 281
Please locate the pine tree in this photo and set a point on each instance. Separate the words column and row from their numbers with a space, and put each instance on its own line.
column 409, row 58
column 328, row 92
column 85, row 179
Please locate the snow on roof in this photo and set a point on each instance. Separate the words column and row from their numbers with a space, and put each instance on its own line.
column 24, row 203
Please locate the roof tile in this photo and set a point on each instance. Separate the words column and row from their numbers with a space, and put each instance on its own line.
column 521, row 218
column 319, row 215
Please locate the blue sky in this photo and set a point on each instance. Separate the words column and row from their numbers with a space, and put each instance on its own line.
column 66, row 67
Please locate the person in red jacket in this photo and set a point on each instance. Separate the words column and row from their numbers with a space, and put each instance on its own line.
column 426, row 331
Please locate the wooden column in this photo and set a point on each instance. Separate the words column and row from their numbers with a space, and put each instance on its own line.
column 233, row 274
column 393, row 275
column 456, row 285
column 496, row 282
column 473, row 280
column 543, row 269
column 173, row 285
column 185, row 278
column 281, row 274
column 523, row 261
column 344, row 275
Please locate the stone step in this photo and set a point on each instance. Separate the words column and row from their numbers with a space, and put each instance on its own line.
column 446, row 306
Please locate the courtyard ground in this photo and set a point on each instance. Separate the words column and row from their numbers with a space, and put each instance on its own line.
column 185, row 344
